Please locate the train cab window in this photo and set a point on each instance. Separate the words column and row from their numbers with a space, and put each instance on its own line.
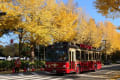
column 78, row 55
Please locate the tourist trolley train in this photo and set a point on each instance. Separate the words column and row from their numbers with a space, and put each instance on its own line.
column 64, row 57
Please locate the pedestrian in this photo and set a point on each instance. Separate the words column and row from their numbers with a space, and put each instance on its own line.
column 17, row 65
column 27, row 66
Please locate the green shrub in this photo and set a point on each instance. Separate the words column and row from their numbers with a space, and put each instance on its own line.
column 23, row 64
column 8, row 65
column 39, row 64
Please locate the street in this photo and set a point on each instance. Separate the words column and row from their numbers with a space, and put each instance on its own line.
column 108, row 72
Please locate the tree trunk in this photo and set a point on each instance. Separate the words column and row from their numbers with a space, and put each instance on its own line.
column 44, row 53
column 32, row 54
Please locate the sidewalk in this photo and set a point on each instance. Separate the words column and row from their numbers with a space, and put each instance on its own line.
column 21, row 71
column 5, row 72
column 117, row 77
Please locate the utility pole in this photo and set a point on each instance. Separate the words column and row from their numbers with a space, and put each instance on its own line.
column 105, row 50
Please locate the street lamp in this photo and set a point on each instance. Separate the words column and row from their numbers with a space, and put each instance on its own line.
column 105, row 50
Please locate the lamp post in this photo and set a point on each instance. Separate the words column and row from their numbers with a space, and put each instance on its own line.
column 105, row 50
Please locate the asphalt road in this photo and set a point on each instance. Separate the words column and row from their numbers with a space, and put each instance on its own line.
column 108, row 72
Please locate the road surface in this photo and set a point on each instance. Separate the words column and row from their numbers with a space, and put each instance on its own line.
column 108, row 72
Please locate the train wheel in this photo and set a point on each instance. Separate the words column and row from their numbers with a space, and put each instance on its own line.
column 95, row 68
column 77, row 70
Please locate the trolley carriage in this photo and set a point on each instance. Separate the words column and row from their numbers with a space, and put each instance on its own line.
column 66, row 57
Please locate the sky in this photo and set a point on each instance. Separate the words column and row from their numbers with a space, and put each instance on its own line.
column 86, row 5
column 5, row 39
column 89, row 8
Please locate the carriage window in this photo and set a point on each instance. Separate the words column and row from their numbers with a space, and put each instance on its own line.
column 86, row 56
column 98, row 56
column 70, row 56
column 94, row 56
column 82, row 55
column 77, row 55
column 73, row 56
column 90, row 56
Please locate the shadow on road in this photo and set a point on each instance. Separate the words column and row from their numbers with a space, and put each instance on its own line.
column 64, row 76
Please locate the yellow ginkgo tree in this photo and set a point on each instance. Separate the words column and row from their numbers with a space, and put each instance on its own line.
column 111, row 36
column 108, row 8
column 88, row 33
column 44, row 21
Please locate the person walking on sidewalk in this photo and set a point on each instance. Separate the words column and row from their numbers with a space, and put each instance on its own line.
column 17, row 65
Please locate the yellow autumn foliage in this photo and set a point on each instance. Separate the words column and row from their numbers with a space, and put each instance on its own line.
column 108, row 8
column 111, row 36
column 88, row 33
column 43, row 19
column 46, row 21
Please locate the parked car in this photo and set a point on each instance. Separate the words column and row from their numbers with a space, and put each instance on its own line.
column 107, row 62
column 2, row 58
column 118, row 61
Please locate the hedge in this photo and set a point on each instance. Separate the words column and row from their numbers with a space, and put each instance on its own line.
column 9, row 65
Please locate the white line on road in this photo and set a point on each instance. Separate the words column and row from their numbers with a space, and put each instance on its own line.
column 109, row 72
column 34, row 73
column 84, row 75
column 46, row 78
column 21, row 74
column 57, row 79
